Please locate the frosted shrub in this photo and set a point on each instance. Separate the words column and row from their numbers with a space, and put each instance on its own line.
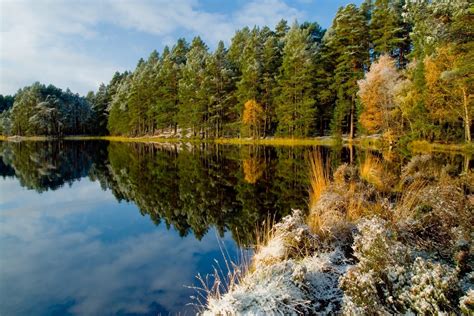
column 431, row 288
column 466, row 303
column 288, row 277
column 291, row 238
column 370, row 286
column 386, row 280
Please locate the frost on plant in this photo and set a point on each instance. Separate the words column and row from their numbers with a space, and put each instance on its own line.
column 291, row 238
column 387, row 280
column 285, row 280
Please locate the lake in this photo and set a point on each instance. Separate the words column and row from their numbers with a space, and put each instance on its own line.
column 99, row 228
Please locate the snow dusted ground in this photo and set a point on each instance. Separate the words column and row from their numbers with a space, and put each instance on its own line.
column 417, row 259
column 285, row 281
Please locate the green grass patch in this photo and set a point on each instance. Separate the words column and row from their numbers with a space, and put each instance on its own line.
column 320, row 141
column 422, row 146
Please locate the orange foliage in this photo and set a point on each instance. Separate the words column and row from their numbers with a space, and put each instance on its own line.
column 252, row 116
column 376, row 93
column 440, row 96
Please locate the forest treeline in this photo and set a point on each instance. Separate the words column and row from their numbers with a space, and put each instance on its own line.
column 403, row 69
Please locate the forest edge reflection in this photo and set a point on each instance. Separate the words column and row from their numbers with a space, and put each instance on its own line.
column 192, row 187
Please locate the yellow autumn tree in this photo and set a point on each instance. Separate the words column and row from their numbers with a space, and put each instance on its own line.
column 448, row 94
column 377, row 94
column 253, row 117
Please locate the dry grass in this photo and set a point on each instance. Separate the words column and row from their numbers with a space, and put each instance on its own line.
column 3, row 137
column 371, row 170
column 410, row 199
column 318, row 177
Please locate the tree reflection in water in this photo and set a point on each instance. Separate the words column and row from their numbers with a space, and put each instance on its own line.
column 188, row 187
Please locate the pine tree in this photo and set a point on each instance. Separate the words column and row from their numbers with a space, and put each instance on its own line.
column 295, row 101
column 461, row 37
column 100, row 102
column 388, row 32
column 281, row 29
column 220, row 82
column 193, row 108
column 137, row 100
column 272, row 60
column 26, row 100
column 167, row 102
column 119, row 118
column 350, row 45
column 169, row 75
column 249, row 84
column 325, row 94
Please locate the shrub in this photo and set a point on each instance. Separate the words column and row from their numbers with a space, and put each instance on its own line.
column 386, row 280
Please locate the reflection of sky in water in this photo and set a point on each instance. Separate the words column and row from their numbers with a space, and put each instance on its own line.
column 77, row 250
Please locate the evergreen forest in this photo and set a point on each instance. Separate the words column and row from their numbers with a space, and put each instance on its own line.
column 395, row 68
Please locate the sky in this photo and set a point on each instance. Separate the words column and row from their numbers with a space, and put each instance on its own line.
column 79, row 44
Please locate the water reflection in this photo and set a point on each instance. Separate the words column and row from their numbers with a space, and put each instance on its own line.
column 73, row 249
column 190, row 189
column 194, row 188
column 82, row 253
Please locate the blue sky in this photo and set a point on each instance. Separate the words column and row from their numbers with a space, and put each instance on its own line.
column 81, row 43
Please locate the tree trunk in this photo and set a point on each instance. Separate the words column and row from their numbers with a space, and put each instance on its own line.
column 467, row 119
column 351, row 132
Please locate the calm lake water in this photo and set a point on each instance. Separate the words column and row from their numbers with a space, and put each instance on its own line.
column 98, row 228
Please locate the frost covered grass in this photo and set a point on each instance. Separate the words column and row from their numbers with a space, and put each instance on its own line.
column 366, row 250
column 288, row 276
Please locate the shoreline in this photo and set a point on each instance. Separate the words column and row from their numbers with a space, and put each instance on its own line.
column 370, row 142
column 353, row 253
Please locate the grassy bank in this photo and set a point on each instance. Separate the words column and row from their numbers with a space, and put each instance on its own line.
column 328, row 141
column 317, row 141
column 424, row 146
column 125, row 139
column 372, row 143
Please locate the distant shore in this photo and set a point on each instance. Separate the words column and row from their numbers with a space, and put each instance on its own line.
column 371, row 142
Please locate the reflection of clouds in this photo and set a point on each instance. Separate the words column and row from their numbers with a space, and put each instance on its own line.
column 56, row 253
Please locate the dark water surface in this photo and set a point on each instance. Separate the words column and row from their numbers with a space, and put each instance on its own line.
column 98, row 228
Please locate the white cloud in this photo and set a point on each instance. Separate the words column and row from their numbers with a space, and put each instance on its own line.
column 267, row 12
column 52, row 41
column 35, row 45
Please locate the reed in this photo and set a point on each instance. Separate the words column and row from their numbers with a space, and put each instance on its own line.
column 371, row 170
column 318, row 177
